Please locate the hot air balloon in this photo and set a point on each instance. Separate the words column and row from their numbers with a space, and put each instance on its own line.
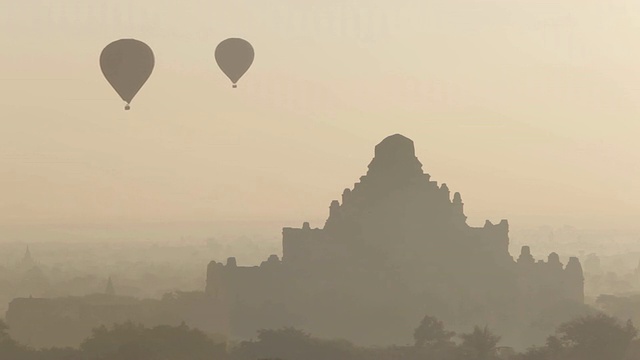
column 127, row 65
column 234, row 57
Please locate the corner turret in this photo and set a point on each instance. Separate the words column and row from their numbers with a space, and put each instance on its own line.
column 458, row 207
column 553, row 260
column 446, row 193
column 231, row 262
column 575, row 280
column 525, row 256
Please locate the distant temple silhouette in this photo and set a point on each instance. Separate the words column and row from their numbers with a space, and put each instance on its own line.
column 27, row 259
column 109, row 290
column 396, row 248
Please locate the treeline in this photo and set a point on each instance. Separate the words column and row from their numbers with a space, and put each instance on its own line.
column 593, row 337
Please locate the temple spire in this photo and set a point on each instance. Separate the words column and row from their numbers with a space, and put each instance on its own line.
column 27, row 260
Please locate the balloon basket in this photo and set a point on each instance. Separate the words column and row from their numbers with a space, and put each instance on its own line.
column 234, row 86
column 127, row 107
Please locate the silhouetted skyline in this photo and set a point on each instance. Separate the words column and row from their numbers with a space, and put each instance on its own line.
column 210, row 222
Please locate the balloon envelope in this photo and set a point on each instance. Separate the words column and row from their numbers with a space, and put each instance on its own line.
column 234, row 57
column 127, row 65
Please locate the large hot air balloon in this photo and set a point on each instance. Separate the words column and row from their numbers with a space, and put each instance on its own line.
column 127, row 65
column 234, row 57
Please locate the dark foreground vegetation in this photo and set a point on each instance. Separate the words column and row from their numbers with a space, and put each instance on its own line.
column 593, row 337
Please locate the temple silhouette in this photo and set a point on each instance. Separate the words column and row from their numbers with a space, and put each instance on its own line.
column 395, row 248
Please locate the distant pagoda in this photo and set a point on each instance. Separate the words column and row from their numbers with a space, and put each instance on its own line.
column 109, row 289
column 27, row 260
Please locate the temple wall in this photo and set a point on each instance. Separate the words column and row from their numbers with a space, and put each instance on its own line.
column 249, row 285
column 546, row 283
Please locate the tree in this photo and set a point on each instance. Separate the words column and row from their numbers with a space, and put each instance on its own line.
column 293, row 344
column 431, row 332
column 481, row 344
column 133, row 342
column 59, row 354
column 633, row 352
column 9, row 348
column 536, row 353
column 552, row 350
column 596, row 337
column 4, row 335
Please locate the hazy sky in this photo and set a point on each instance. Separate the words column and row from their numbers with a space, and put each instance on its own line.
column 531, row 109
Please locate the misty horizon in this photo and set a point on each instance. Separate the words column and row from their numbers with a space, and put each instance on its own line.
column 353, row 180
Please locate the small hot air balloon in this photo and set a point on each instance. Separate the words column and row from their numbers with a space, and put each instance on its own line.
column 127, row 65
column 234, row 57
